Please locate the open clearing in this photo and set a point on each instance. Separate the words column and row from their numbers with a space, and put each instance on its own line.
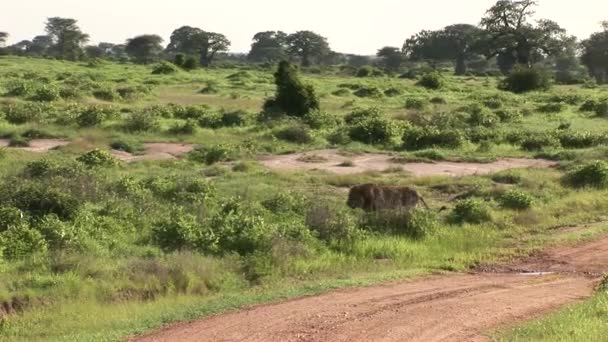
column 331, row 160
column 38, row 145
column 437, row 308
column 156, row 151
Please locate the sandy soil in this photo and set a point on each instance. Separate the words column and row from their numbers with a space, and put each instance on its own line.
column 461, row 307
column 156, row 151
column 37, row 145
column 330, row 160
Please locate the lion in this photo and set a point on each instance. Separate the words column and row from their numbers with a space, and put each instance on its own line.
column 372, row 197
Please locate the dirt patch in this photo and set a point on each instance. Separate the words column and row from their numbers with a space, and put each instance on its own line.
column 460, row 307
column 333, row 161
column 37, row 145
column 156, row 151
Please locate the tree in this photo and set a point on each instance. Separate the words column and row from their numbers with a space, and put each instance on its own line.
column 457, row 42
column 192, row 40
column 40, row 46
column 66, row 36
column 3, row 38
column 510, row 33
column 94, row 51
column 391, row 57
column 595, row 54
column 307, row 46
column 268, row 46
column 144, row 49
column 292, row 96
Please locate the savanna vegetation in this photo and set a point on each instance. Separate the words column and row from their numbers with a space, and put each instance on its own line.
column 93, row 247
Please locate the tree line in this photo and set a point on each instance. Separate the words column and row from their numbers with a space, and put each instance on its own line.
column 507, row 34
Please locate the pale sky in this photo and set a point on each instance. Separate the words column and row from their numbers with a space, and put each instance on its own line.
column 352, row 26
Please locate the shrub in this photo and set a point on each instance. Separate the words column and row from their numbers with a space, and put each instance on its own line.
column 509, row 115
column 516, row 199
column 374, row 130
column 179, row 59
column 210, row 155
column 493, row 103
column 164, row 68
column 19, row 88
column 569, row 139
column 234, row 118
column 97, row 158
column 129, row 92
column 601, row 108
column 11, row 217
column 594, row 174
column 415, row 223
column 319, row 119
column 46, row 93
column 38, row 199
column 292, row 96
column 187, row 128
column 70, row 93
column 359, row 115
column 471, row 211
column 21, row 242
column 142, row 121
column 106, row 94
column 551, row 108
column 298, row 134
column 432, row 80
column 331, row 224
column 285, row 202
column 20, row 113
column 438, row 100
column 369, row 71
column 523, row 79
column 191, row 112
column 55, row 232
column 392, row 92
column 538, row 142
column 19, row 141
column 589, row 105
column 339, row 136
column 127, row 145
column 191, row 63
column 415, row 103
column 417, row 138
column 507, row 178
column 409, row 75
column 373, row 92
column 480, row 116
column 94, row 116
column 212, row 87
column 180, row 231
column 341, row 92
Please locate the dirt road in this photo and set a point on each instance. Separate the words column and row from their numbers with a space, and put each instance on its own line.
column 461, row 307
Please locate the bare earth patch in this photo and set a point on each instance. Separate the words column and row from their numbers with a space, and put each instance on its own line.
column 461, row 307
column 380, row 162
column 37, row 145
column 156, row 151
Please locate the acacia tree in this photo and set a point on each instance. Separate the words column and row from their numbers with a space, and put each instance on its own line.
column 66, row 36
column 457, row 43
column 145, row 48
column 268, row 46
column 293, row 97
column 514, row 38
column 392, row 57
column 307, row 46
column 3, row 38
column 191, row 40
column 40, row 46
column 595, row 54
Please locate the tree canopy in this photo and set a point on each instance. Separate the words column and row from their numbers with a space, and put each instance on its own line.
column 144, row 49
column 392, row 57
column 268, row 46
column 192, row 40
column 595, row 54
column 513, row 37
column 66, row 37
column 307, row 46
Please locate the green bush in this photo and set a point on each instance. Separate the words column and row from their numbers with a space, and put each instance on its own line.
column 142, row 121
column 594, row 174
column 601, row 108
column 508, row 177
column 341, row 92
column 524, row 79
column 320, row 119
column 19, row 141
column 164, row 68
column 479, row 116
column 418, row 138
column 21, row 242
column 339, row 136
column 189, row 127
column 210, row 154
column 589, row 105
column 507, row 116
column 539, row 142
column 330, row 224
column 432, row 80
column 179, row 232
column 97, row 158
column 106, row 93
column 372, row 92
column 179, row 60
column 516, row 199
column 571, row 139
column 19, row 88
column 415, row 103
column 373, row 130
column 551, row 108
column 11, row 217
column 285, row 202
column 392, row 92
column 29, row 112
column 127, row 145
column 95, row 115
column 292, row 96
column 234, row 118
column 46, row 93
column 298, row 134
column 369, row 71
column 212, row 87
column 130, row 92
column 415, row 223
column 471, row 210
column 40, row 200
column 191, row 63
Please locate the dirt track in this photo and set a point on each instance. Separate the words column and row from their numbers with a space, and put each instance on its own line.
column 331, row 160
column 460, row 307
